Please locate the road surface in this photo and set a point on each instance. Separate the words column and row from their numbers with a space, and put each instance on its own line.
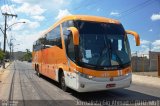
column 19, row 85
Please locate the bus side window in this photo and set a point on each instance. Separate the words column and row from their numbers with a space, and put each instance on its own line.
column 38, row 45
column 42, row 42
column 68, row 39
column 70, row 47
column 34, row 46
column 66, row 33
column 58, row 41
column 53, row 38
column 49, row 40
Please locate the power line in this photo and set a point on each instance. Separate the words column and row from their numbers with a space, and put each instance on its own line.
column 135, row 8
column 139, row 5
column 7, row 42
column 78, row 7
column 9, row 8
column 1, row 10
column 4, row 3
column 11, row 4
column 75, row 9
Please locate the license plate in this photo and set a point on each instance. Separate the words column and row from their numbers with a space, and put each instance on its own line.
column 110, row 85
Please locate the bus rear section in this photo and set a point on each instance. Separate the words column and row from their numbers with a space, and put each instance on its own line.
column 97, row 54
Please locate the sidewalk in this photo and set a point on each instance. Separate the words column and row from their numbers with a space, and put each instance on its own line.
column 5, row 80
column 152, row 74
column 2, row 70
column 147, row 80
column 6, row 65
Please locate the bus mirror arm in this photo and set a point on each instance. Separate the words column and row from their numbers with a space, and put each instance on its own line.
column 136, row 36
column 75, row 34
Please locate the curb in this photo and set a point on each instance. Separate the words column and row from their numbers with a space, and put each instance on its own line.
column 2, row 70
column 146, row 75
column 8, row 65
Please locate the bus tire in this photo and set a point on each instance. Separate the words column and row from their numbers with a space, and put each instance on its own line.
column 62, row 82
column 37, row 71
column 35, row 67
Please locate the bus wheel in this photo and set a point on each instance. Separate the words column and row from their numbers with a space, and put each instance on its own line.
column 62, row 82
column 37, row 71
column 35, row 67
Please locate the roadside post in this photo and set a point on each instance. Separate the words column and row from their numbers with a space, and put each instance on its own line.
column 158, row 65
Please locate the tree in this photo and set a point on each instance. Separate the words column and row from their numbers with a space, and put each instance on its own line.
column 7, row 55
column 27, row 56
column 1, row 55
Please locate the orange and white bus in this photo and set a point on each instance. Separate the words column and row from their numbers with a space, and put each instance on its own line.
column 85, row 53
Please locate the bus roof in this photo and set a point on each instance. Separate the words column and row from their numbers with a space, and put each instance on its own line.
column 86, row 18
column 82, row 17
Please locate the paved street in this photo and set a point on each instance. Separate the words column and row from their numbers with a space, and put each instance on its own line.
column 153, row 74
column 19, row 82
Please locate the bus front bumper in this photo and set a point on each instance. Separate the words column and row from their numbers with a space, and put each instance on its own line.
column 89, row 85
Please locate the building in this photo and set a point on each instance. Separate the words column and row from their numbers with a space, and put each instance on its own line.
column 145, row 63
column 140, row 64
column 153, row 57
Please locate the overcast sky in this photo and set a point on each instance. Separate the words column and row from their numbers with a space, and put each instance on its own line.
column 142, row 16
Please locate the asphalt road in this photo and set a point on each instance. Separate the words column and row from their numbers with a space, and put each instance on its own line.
column 21, row 86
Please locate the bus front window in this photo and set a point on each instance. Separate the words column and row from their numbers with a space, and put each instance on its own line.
column 103, row 44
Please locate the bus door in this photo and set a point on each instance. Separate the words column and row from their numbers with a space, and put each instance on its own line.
column 71, row 78
column 71, row 54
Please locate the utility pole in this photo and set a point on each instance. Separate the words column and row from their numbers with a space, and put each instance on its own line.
column 10, row 47
column 158, row 66
column 12, row 52
column 6, row 15
column 142, row 62
column 136, row 61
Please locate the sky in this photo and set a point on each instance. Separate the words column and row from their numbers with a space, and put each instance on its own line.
column 142, row 16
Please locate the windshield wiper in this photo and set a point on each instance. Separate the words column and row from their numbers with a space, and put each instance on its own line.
column 104, row 52
column 118, row 58
column 101, row 58
column 87, row 65
column 125, row 65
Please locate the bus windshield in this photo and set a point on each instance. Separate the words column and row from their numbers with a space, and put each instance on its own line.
column 103, row 44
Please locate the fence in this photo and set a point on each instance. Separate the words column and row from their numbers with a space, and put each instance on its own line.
column 145, row 62
column 140, row 63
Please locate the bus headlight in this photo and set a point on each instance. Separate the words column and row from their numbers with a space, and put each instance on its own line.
column 84, row 75
column 127, row 74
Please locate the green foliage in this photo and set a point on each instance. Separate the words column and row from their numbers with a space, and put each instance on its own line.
column 1, row 55
column 27, row 56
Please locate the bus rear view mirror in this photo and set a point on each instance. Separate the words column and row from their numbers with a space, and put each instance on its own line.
column 75, row 34
column 136, row 36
